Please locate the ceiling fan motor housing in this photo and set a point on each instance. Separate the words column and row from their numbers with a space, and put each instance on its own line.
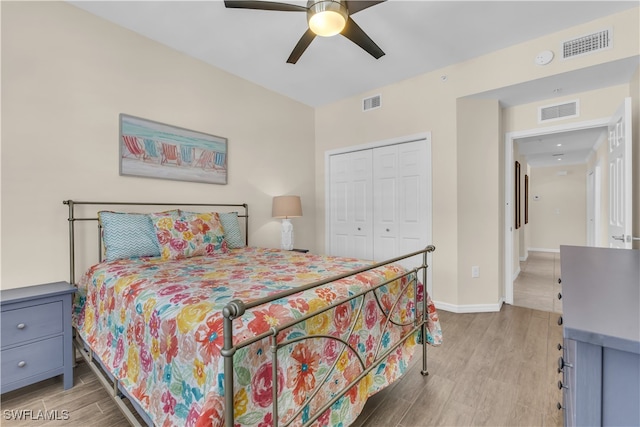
column 326, row 18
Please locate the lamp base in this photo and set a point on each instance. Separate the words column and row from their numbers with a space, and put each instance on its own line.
column 287, row 235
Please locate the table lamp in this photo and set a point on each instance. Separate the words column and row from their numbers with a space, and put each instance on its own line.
column 286, row 207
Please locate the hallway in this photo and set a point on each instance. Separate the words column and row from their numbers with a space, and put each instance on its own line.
column 537, row 284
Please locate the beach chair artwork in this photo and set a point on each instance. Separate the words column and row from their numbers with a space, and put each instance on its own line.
column 157, row 150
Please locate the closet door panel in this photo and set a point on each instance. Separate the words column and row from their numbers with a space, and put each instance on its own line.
column 412, row 203
column 340, row 206
column 351, row 205
column 385, row 195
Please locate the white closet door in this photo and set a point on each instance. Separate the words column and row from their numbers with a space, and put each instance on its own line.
column 351, row 204
column 385, row 203
column 400, row 197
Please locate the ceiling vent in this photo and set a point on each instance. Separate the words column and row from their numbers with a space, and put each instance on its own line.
column 371, row 103
column 558, row 112
column 587, row 44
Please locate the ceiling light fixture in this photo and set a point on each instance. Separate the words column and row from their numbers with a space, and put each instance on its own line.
column 327, row 17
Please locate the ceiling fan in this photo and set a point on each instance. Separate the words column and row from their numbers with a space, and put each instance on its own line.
column 325, row 18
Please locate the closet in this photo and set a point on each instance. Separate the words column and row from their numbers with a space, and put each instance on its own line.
column 379, row 203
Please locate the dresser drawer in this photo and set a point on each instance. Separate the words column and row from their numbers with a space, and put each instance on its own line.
column 31, row 360
column 32, row 322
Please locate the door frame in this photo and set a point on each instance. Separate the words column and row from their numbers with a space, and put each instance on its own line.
column 594, row 203
column 509, row 184
column 423, row 136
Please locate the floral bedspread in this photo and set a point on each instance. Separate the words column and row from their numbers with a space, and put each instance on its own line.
column 157, row 325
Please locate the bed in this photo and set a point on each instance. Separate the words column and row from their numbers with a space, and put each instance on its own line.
column 198, row 339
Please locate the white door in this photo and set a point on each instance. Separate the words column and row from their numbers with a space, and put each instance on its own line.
column 593, row 206
column 400, row 207
column 620, row 180
column 351, row 199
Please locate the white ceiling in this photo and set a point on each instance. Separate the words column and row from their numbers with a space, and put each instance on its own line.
column 417, row 37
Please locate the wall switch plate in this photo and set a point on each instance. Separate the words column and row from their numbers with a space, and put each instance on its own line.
column 475, row 271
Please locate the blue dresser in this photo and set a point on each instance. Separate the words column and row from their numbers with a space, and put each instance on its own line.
column 36, row 338
column 600, row 363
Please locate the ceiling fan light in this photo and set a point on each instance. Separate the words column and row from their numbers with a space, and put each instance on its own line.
column 327, row 18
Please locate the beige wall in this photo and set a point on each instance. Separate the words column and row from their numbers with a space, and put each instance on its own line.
column 559, row 216
column 479, row 212
column 594, row 104
column 429, row 103
column 66, row 75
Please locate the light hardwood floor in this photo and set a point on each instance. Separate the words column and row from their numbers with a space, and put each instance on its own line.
column 537, row 284
column 492, row 369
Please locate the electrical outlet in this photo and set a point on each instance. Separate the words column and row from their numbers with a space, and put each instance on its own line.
column 475, row 271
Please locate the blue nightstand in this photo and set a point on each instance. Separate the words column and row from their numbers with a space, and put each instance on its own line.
column 36, row 339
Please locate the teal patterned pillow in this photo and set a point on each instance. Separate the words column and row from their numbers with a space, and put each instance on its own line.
column 232, row 233
column 128, row 235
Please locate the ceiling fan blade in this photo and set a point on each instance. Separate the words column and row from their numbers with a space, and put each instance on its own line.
column 358, row 5
column 354, row 33
column 264, row 5
column 302, row 45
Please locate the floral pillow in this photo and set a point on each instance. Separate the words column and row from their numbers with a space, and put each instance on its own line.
column 189, row 235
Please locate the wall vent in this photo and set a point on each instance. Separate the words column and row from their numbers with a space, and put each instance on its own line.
column 372, row 103
column 587, row 44
column 558, row 112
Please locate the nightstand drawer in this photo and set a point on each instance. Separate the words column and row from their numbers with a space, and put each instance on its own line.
column 31, row 360
column 28, row 323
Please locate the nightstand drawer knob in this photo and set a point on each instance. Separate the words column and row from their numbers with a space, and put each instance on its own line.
column 562, row 363
column 21, row 326
column 22, row 364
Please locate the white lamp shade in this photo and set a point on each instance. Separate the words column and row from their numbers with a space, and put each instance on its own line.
column 286, row 207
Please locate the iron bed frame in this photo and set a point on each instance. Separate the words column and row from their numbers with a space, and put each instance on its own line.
column 236, row 309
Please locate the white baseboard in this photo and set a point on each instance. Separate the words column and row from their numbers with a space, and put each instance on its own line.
column 516, row 274
column 544, row 250
column 468, row 308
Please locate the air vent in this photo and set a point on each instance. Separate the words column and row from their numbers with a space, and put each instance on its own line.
column 558, row 112
column 587, row 44
column 371, row 103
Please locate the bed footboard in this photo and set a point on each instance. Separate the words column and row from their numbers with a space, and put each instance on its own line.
column 416, row 323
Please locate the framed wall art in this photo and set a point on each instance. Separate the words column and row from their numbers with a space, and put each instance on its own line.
column 526, row 199
column 517, row 196
column 157, row 150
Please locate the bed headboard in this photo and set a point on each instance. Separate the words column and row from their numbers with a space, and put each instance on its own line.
column 77, row 213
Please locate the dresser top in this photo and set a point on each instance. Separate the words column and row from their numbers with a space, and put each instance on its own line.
column 27, row 293
column 601, row 296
